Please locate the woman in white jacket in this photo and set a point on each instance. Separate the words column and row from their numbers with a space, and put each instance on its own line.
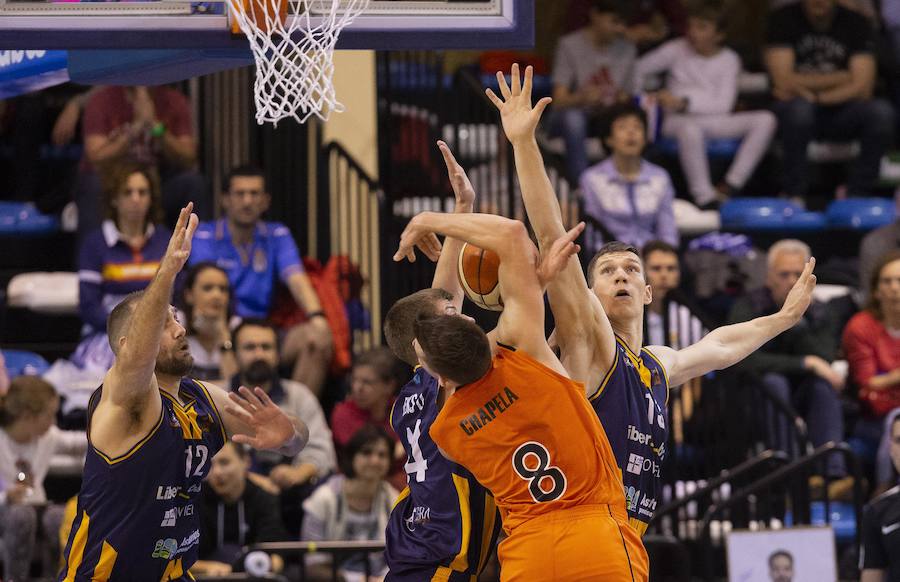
column 352, row 506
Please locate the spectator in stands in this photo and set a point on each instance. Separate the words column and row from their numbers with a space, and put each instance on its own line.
column 206, row 302
column 592, row 70
column 148, row 125
column 699, row 99
column 880, row 554
column 120, row 257
column 374, row 381
column 4, row 377
column 256, row 255
column 627, row 197
column 256, row 354
column 795, row 367
column 872, row 345
column 821, row 59
column 873, row 247
column 671, row 318
column 648, row 22
column 29, row 438
column 354, row 505
column 234, row 512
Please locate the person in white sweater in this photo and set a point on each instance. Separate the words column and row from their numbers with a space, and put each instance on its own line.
column 29, row 438
column 698, row 101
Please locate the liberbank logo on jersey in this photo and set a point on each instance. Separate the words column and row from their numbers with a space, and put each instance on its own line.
column 488, row 412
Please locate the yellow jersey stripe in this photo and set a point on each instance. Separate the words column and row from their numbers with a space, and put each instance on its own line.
column 605, row 381
column 461, row 561
column 637, row 525
column 113, row 460
column 487, row 530
column 212, row 404
column 403, row 495
column 104, row 567
column 76, row 552
column 661, row 367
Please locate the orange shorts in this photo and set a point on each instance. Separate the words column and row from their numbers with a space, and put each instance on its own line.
column 584, row 543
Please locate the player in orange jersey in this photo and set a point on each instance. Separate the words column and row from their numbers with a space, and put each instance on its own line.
column 516, row 421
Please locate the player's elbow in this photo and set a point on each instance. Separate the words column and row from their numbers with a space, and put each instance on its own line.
column 515, row 233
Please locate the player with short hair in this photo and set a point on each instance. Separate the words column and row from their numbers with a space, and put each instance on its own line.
column 599, row 321
column 514, row 418
column 152, row 434
column 444, row 525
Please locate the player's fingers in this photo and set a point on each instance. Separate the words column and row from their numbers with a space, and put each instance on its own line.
column 498, row 103
column 542, row 104
column 251, row 397
column 449, row 158
column 526, row 86
column 514, row 80
column 237, row 400
column 243, row 439
column 263, row 397
column 504, row 88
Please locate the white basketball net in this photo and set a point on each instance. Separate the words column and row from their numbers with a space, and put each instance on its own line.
column 294, row 58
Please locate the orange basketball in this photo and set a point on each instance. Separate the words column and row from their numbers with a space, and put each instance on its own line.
column 478, row 273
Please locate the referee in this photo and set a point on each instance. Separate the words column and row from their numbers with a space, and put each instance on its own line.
column 880, row 556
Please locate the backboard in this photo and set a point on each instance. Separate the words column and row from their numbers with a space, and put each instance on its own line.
column 163, row 41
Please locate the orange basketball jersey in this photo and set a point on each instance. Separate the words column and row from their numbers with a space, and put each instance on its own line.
column 529, row 435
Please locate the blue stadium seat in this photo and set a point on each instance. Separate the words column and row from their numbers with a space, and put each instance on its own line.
column 715, row 148
column 22, row 218
column 19, row 363
column 842, row 520
column 861, row 213
column 737, row 211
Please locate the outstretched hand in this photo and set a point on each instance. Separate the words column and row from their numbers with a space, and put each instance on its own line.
column 800, row 296
column 179, row 248
column 462, row 187
column 519, row 118
column 271, row 426
column 416, row 235
column 555, row 259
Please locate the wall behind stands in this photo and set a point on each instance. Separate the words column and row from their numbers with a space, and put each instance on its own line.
column 356, row 129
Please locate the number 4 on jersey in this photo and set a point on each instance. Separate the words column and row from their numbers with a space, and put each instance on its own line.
column 418, row 464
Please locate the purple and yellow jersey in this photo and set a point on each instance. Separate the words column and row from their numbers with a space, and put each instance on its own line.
column 631, row 404
column 137, row 513
column 444, row 525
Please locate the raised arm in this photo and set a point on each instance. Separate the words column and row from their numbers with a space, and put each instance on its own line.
column 445, row 275
column 521, row 323
column 730, row 344
column 583, row 331
column 131, row 379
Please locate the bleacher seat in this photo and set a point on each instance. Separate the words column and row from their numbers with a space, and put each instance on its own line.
column 692, row 220
column 843, row 519
column 23, row 219
column 715, row 148
column 769, row 214
column 20, row 362
column 861, row 213
column 48, row 293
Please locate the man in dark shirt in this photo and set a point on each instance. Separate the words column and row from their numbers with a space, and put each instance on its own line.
column 795, row 366
column 234, row 513
column 821, row 57
column 879, row 559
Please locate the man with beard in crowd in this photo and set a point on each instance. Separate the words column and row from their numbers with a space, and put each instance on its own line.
column 255, row 343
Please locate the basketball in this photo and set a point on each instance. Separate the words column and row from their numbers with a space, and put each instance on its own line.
column 478, row 274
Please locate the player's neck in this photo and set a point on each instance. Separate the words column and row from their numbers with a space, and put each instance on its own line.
column 632, row 333
column 169, row 384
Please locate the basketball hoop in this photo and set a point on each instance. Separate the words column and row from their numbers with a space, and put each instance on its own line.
column 294, row 54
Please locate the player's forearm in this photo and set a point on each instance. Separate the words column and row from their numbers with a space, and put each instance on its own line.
column 541, row 202
column 733, row 343
column 502, row 235
column 445, row 274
